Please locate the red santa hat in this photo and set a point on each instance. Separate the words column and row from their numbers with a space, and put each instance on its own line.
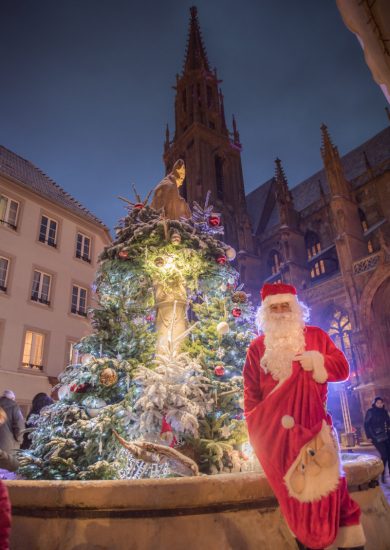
column 277, row 293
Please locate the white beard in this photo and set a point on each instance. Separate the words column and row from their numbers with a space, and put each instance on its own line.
column 284, row 338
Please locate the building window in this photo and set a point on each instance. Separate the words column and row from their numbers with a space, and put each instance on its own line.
column 33, row 350
column 73, row 356
column 40, row 291
column 219, row 177
column 83, row 247
column 4, row 267
column 364, row 224
column 340, row 330
column 313, row 248
column 79, row 300
column 318, row 269
column 9, row 210
column 48, row 231
column 363, row 220
column 274, row 262
column 313, row 245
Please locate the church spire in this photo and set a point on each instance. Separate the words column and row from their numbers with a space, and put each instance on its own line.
column 328, row 149
column 283, row 195
column 196, row 56
column 167, row 139
column 223, row 119
column 280, row 177
column 236, row 135
column 338, row 184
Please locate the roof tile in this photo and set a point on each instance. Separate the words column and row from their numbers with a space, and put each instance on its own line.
column 31, row 177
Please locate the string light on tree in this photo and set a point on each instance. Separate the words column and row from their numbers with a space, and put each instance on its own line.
column 160, row 380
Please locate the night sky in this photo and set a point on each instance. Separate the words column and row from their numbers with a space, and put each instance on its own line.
column 86, row 87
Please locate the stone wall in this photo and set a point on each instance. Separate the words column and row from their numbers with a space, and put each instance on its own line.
column 225, row 512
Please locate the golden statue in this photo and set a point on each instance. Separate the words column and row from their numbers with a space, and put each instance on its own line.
column 166, row 194
column 171, row 317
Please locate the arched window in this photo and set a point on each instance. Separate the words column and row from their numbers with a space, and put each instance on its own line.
column 340, row 330
column 313, row 247
column 274, row 261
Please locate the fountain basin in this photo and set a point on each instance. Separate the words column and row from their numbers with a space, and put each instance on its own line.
column 222, row 512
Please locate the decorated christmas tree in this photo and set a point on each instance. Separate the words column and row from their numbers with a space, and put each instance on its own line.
column 158, row 391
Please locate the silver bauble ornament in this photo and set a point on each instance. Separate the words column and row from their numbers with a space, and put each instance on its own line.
column 93, row 406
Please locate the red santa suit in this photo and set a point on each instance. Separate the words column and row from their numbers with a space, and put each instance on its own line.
column 291, row 433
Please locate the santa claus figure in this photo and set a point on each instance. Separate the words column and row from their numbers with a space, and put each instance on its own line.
column 285, row 378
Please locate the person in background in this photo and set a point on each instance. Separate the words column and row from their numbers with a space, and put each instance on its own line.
column 12, row 425
column 377, row 427
column 39, row 401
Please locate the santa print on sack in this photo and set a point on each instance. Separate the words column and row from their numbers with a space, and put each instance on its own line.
column 285, row 381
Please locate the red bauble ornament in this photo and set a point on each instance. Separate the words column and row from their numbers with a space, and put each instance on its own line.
column 221, row 259
column 214, row 220
column 138, row 206
column 123, row 255
column 219, row 370
column 80, row 388
column 236, row 312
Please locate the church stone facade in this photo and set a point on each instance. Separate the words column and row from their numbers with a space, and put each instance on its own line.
column 329, row 236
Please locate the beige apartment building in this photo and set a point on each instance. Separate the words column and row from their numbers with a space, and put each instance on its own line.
column 49, row 247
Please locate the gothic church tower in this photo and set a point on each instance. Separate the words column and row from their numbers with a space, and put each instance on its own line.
column 211, row 152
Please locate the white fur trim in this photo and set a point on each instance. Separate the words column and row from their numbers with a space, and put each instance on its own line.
column 322, row 484
column 279, row 299
column 350, row 536
column 288, row 422
column 320, row 374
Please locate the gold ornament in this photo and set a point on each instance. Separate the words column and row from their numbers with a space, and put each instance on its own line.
column 239, row 297
column 108, row 377
column 230, row 253
column 159, row 262
column 175, row 238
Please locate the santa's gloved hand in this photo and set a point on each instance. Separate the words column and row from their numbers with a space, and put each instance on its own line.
column 306, row 360
column 313, row 361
